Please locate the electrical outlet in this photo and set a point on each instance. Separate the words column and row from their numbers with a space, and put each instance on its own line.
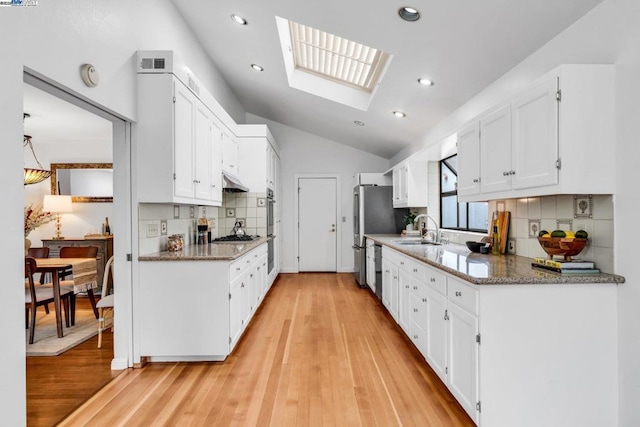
column 511, row 246
column 152, row 230
column 192, row 211
column 163, row 228
column 204, row 212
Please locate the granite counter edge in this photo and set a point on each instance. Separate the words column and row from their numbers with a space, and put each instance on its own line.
column 601, row 278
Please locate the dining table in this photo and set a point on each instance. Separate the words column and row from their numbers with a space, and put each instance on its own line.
column 85, row 274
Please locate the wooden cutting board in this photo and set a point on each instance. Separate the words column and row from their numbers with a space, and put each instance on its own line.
column 503, row 229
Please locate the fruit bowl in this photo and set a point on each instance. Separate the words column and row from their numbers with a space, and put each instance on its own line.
column 565, row 246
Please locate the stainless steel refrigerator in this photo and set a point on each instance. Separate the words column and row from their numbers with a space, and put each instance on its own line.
column 373, row 213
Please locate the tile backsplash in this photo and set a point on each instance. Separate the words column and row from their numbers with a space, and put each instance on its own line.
column 248, row 206
column 179, row 221
column 530, row 215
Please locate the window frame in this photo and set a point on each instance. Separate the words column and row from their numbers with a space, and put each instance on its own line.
column 454, row 193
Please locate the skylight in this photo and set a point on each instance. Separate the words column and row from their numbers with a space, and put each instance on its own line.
column 330, row 66
column 336, row 58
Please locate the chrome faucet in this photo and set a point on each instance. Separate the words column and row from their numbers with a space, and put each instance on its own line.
column 428, row 217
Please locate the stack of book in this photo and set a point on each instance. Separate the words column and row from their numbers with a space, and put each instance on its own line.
column 565, row 267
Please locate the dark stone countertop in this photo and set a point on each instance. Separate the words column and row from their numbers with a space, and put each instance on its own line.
column 226, row 251
column 481, row 269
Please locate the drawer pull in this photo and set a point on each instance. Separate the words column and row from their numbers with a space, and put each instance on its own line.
column 237, row 268
column 432, row 279
column 415, row 288
column 458, row 293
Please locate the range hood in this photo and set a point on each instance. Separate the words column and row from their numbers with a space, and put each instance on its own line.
column 231, row 184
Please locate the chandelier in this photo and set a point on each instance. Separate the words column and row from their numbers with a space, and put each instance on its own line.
column 32, row 175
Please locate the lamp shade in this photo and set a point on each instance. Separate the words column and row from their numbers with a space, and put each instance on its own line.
column 57, row 204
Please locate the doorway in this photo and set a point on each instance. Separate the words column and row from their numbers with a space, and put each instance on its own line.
column 317, row 209
column 120, row 217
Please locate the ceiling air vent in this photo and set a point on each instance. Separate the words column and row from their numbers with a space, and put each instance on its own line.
column 152, row 64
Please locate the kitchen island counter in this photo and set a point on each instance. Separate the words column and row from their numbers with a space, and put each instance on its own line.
column 211, row 252
column 486, row 269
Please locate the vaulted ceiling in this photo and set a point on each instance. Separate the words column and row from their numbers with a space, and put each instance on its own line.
column 462, row 45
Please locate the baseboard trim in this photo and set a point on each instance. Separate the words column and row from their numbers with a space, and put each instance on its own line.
column 119, row 364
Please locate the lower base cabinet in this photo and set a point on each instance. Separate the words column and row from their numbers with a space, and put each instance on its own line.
column 512, row 355
column 197, row 310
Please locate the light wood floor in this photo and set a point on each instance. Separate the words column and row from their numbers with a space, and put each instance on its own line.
column 57, row 385
column 320, row 351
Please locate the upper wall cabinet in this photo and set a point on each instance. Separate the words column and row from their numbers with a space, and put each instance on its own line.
column 549, row 139
column 258, row 154
column 178, row 144
column 230, row 154
column 410, row 184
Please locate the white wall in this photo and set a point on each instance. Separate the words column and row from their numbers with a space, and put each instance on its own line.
column 302, row 152
column 610, row 33
column 54, row 39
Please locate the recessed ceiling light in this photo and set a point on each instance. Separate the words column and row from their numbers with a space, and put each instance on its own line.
column 409, row 13
column 399, row 114
column 358, row 122
column 257, row 67
column 425, row 82
column 238, row 19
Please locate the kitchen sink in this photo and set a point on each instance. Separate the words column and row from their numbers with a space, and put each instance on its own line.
column 415, row 242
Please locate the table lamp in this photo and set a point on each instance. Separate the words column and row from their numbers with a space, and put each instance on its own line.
column 57, row 204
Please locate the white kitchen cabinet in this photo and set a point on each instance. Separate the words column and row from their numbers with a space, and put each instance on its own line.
column 404, row 297
column 390, row 284
column 463, row 341
column 468, row 160
column 258, row 154
column 176, row 147
column 370, row 270
column 493, row 344
column 436, row 332
column 558, row 131
column 410, row 184
column 495, row 151
column 230, row 154
column 439, row 315
column 534, row 124
column 236, row 311
column 211, row 304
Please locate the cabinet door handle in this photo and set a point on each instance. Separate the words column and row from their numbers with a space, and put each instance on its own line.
column 237, row 268
column 432, row 279
column 505, row 173
column 458, row 293
column 512, row 172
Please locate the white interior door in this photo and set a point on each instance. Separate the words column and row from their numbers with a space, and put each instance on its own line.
column 317, row 224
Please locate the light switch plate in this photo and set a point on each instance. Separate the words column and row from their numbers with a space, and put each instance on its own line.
column 152, row 230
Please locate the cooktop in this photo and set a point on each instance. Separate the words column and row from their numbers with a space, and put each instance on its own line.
column 234, row 238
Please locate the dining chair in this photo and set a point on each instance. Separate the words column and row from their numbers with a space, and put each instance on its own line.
column 36, row 296
column 78, row 252
column 39, row 252
column 105, row 304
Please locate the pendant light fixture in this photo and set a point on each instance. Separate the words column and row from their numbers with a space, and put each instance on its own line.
column 32, row 175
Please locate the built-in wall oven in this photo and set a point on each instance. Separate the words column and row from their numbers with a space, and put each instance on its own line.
column 270, row 220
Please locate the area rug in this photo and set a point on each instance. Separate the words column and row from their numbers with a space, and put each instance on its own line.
column 46, row 341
